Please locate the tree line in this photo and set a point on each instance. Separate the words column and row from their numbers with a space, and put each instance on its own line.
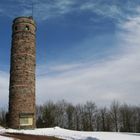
column 86, row 117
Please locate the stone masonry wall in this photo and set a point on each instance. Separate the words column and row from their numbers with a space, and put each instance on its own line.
column 22, row 71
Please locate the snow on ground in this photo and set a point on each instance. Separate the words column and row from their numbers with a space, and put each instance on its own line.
column 5, row 138
column 2, row 130
column 78, row 135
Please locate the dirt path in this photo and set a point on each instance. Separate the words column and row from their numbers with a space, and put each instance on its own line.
column 29, row 137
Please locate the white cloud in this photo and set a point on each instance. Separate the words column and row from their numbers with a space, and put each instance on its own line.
column 49, row 9
column 114, row 79
column 106, row 10
column 41, row 9
column 117, row 78
column 44, row 10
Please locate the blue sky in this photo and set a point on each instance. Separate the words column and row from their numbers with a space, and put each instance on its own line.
column 86, row 49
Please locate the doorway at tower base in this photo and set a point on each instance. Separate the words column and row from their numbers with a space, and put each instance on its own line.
column 26, row 120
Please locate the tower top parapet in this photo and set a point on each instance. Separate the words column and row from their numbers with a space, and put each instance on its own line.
column 24, row 19
column 24, row 24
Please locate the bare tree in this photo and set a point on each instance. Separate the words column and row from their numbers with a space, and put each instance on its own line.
column 39, row 116
column 114, row 114
column 103, row 113
column 48, row 115
column 126, row 116
column 78, row 117
column 70, row 116
column 60, row 114
column 88, row 118
column 3, row 121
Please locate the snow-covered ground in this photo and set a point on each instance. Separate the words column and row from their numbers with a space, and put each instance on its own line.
column 5, row 138
column 77, row 135
column 2, row 130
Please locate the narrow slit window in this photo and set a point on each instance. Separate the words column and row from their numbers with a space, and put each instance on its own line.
column 16, row 28
column 27, row 28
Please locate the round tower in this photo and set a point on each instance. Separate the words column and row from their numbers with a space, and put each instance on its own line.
column 22, row 74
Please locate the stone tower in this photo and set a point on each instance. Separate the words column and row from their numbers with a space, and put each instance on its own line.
column 22, row 74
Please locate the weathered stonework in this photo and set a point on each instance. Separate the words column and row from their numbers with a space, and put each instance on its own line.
column 22, row 73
